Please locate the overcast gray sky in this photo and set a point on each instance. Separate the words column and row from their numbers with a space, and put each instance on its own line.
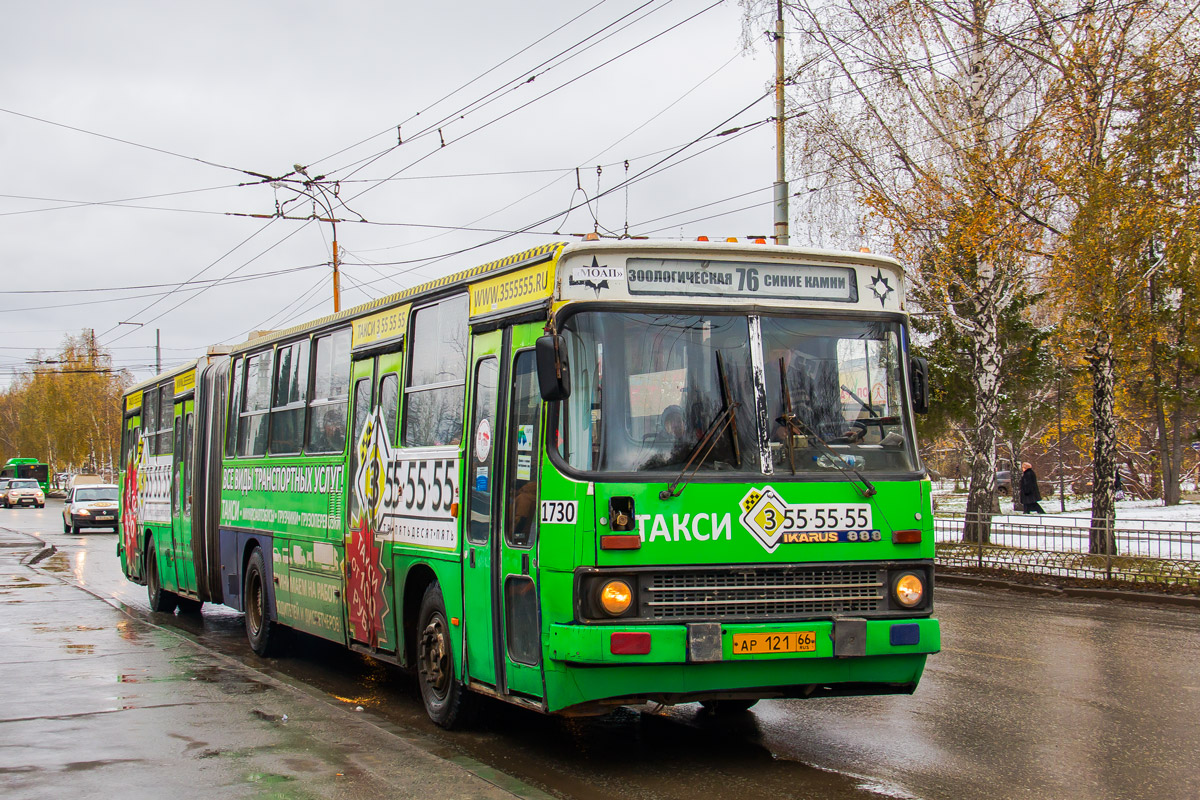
column 132, row 134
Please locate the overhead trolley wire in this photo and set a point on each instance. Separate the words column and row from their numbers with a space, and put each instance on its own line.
column 134, row 144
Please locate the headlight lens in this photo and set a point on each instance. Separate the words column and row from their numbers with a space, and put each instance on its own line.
column 616, row 597
column 909, row 590
column 83, row 512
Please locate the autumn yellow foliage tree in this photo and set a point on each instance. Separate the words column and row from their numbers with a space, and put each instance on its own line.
column 66, row 409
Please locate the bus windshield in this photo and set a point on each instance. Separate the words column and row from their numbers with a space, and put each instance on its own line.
column 647, row 388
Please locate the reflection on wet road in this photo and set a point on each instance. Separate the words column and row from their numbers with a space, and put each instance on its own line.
column 1032, row 697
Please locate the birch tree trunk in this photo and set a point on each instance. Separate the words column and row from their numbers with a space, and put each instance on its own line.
column 1104, row 447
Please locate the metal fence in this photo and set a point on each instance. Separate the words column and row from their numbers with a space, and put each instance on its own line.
column 1161, row 552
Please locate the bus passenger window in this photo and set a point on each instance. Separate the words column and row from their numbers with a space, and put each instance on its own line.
column 483, row 432
column 252, row 427
column 288, row 404
column 149, row 420
column 166, row 419
column 523, row 459
column 235, row 406
column 389, row 402
column 331, row 393
column 433, row 405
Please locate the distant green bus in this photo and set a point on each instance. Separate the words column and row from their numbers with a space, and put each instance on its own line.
column 27, row 468
column 586, row 475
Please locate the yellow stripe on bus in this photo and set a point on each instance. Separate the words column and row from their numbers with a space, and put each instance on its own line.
column 184, row 383
column 513, row 289
column 379, row 327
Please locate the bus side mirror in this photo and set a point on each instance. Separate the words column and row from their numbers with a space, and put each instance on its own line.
column 553, row 380
column 918, row 382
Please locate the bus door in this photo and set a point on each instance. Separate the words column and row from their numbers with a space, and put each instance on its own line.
column 518, row 514
column 483, row 458
column 370, row 572
column 181, row 495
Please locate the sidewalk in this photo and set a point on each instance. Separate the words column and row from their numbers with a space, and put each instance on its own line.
column 99, row 704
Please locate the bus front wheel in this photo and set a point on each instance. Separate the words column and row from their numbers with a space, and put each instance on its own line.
column 446, row 699
column 263, row 632
column 160, row 599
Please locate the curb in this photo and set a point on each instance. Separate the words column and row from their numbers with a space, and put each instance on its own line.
column 1148, row 598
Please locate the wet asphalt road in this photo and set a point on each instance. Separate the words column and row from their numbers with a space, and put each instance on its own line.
column 1031, row 698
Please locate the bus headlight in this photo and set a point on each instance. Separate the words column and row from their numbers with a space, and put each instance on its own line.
column 615, row 597
column 909, row 590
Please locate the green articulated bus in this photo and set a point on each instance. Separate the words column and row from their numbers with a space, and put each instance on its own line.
column 27, row 468
column 587, row 475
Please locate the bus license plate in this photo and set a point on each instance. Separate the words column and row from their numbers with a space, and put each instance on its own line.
column 750, row 644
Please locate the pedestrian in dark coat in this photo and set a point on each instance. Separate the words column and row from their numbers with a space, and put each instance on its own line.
column 1030, row 494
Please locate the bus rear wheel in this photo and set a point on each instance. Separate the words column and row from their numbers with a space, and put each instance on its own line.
column 263, row 633
column 160, row 599
column 446, row 699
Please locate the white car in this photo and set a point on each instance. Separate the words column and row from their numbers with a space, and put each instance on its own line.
column 23, row 492
column 91, row 506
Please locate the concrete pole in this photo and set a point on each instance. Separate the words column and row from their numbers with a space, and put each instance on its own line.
column 781, row 186
column 337, row 277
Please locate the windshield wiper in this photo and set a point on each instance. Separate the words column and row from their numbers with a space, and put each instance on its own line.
column 794, row 424
column 724, row 420
column 869, row 408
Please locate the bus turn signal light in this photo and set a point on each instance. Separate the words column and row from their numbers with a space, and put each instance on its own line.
column 906, row 537
column 616, row 597
column 909, row 590
column 629, row 643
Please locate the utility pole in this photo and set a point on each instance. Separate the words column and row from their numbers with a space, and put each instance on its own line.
column 337, row 277
column 157, row 350
column 781, row 186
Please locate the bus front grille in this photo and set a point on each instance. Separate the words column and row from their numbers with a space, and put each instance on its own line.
column 762, row 593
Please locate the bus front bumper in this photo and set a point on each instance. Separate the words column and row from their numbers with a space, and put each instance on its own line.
column 585, row 676
column 683, row 644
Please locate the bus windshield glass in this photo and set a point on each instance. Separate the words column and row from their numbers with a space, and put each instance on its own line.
column 842, row 379
column 647, row 388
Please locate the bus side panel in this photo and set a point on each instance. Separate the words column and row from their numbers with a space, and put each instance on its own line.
column 235, row 548
column 309, row 591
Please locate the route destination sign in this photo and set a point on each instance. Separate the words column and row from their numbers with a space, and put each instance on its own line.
column 747, row 279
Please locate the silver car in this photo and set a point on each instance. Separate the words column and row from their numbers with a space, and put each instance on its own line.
column 23, row 492
column 91, row 506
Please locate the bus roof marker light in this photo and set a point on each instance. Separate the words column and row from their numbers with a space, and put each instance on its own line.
column 701, row 238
